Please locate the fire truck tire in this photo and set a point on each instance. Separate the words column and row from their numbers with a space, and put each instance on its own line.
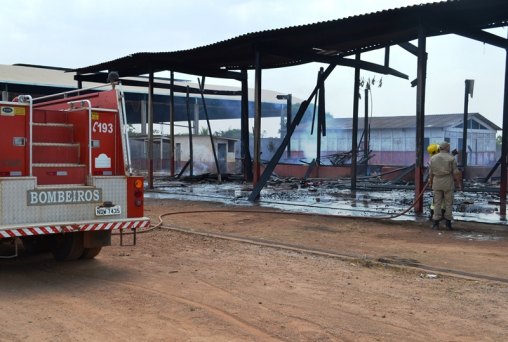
column 68, row 246
column 90, row 253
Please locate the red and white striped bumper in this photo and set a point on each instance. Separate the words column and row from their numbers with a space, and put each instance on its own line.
column 139, row 223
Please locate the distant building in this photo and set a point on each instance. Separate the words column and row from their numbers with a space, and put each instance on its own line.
column 392, row 139
column 38, row 81
column 203, row 158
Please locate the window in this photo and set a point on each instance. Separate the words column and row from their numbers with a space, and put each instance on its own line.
column 472, row 124
column 231, row 146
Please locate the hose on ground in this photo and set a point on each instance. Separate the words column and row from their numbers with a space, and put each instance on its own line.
column 153, row 227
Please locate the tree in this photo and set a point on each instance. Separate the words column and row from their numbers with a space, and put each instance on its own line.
column 203, row 131
column 230, row 133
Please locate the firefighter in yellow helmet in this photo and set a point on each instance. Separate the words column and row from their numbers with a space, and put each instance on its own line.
column 443, row 173
column 433, row 149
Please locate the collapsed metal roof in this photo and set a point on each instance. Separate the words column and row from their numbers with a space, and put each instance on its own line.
column 327, row 42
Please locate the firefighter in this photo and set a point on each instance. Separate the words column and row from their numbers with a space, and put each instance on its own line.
column 433, row 149
column 442, row 176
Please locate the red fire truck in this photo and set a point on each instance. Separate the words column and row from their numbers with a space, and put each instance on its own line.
column 65, row 178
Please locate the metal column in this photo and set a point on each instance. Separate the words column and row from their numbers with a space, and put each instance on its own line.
column 420, row 118
column 289, row 109
column 467, row 90
column 191, row 147
column 244, row 128
column 354, row 133
column 321, row 118
column 257, row 118
column 366, row 130
column 150, row 130
column 504, row 145
column 172, row 125
column 143, row 116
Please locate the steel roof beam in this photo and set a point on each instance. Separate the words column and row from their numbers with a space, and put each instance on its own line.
column 100, row 77
column 338, row 60
column 484, row 37
column 409, row 48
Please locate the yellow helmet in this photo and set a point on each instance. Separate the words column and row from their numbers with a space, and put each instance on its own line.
column 433, row 149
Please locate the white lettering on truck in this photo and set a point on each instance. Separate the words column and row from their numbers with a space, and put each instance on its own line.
column 63, row 196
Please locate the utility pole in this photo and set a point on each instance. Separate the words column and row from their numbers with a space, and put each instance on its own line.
column 468, row 90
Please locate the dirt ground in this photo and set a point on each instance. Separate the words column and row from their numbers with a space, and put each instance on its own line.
column 273, row 277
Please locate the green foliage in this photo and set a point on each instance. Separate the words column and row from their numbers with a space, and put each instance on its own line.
column 499, row 140
column 230, row 133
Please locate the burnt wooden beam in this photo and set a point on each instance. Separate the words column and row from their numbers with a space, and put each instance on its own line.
column 320, row 117
column 254, row 195
column 484, row 37
column 219, row 73
column 367, row 66
column 409, row 48
column 315, row 56
column 504, row 145
column 420, row 118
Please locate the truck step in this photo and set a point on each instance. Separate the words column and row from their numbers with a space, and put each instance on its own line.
column 55, row 153
column 48, row 173
column 49, row 116
column 53, row 132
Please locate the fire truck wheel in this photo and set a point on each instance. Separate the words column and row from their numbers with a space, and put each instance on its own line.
column 68, row 246
column 90, row 253
column 37, row 244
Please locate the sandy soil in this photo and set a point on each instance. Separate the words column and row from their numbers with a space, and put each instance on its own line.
column 309, row 278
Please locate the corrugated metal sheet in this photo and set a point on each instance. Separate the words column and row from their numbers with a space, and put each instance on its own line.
column 307, row 43
column 27, row 75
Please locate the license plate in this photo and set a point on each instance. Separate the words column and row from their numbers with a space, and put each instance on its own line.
column 107, row 211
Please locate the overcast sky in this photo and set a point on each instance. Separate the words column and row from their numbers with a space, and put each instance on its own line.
column 77, row 33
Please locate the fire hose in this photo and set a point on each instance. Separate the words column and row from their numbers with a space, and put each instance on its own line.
column 159, row 224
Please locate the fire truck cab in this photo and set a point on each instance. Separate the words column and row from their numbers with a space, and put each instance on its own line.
column 65, row 177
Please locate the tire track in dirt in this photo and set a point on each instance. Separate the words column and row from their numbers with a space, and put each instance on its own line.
column 346, row 257
column 316, row 326
column 244, row 326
